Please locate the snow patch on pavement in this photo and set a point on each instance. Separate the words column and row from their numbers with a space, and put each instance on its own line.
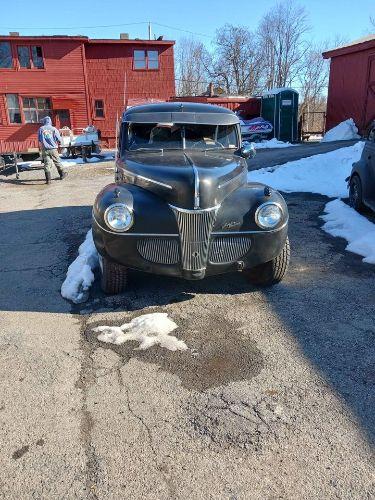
column 343, row 221
column 323, row 174
column 80, row 276
column 148, row 330
column 344, row 131
column 272, row 143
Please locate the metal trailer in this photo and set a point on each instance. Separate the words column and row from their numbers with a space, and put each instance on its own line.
column 12, row 151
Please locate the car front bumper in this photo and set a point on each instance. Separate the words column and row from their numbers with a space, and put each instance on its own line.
column 162, row 253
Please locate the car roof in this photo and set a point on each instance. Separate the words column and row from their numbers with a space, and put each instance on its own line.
column 180, row 112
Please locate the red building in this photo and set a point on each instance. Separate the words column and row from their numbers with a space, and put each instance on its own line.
column 351, row 91
column 77, row 81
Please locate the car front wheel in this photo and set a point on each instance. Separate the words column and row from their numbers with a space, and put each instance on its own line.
column 271, row 272
column 355, row 193
column 114, row 277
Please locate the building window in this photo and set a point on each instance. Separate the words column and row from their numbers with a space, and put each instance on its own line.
column 14, row 111
column 146, row 59
column 99, row 108
column 36, row 108
column 5, row 55
column 153, row 59
column 37, row 57
column 139, row 59
column 24, row 57
column 30, row 57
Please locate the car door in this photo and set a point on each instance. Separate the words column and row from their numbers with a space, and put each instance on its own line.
column 369, row 178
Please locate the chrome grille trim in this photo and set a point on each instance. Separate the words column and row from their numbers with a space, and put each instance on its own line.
column 195, row 228
column 227, row 249
column 159, row 250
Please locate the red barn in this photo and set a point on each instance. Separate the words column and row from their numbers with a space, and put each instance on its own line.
column 77, row 81
column 351, row 90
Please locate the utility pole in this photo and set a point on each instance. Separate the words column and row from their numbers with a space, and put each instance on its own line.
column 149, row 30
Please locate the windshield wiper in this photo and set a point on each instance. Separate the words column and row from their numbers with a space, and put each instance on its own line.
column 218, row 149
column 151, row 150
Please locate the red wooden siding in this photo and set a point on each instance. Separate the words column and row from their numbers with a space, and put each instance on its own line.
column 111, row 78
column 62, row 74
column 351, row 80
column 78, row 71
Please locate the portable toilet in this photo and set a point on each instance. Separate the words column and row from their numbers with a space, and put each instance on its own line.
column 280, row 107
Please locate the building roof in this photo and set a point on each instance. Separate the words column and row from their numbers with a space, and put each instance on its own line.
column 44, row 37
column 364, row 43
column 87, row 40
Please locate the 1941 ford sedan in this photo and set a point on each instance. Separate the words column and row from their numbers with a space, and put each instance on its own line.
column 182, row 205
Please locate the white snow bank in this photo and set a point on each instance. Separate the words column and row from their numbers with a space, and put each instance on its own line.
column 345, row 222
column 344, row 131
column 80, row 274
column 272, row 143
column 323, row 174
column 148, row 330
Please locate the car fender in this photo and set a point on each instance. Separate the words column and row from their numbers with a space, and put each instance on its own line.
column 358, row 168
column 237, row 212
column 152, row 215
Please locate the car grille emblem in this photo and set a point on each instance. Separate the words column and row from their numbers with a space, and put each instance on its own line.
column 195, row 228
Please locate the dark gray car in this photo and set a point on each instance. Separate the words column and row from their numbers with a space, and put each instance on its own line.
column 182, row 204
column 361, row 182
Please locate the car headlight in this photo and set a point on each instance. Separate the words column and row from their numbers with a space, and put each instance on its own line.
column 119, row 217
column 268, row 215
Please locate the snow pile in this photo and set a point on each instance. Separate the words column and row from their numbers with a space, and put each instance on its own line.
column 272, row 143
column 322, row 174
column 148, row 330
column 345, row 222
column 80, row 276
column 344, row 131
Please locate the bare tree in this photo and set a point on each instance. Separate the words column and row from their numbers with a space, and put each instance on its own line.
column 281, row 35
column 191, row 74
column 372, row 22
column 235, row 63
column 313, row 78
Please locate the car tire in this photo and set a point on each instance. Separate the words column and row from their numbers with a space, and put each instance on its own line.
column 114, row 277
column 355, row 194
column 271, row 272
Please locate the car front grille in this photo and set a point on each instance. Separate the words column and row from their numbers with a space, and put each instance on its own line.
column 159, row 250
column 195, row 228
column 226, row 249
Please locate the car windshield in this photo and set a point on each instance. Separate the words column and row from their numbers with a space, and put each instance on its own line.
column 158, row 136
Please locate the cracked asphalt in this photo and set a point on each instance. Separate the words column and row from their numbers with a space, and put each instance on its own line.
column 274, row 399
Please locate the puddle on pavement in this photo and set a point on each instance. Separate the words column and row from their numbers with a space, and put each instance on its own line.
column 219, row 353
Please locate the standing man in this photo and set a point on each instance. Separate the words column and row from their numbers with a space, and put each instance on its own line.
column 49, row 139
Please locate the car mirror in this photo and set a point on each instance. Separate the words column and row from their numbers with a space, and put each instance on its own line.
column 248, row 150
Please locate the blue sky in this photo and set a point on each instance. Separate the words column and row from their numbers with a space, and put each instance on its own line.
column 328, row 18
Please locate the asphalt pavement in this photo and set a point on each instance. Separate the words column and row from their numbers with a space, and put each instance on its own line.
column 274, row 398
column 278, row 156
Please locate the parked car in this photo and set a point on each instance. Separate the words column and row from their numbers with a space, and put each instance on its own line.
column 256, row 129
column 182, row 205
column 361, row 182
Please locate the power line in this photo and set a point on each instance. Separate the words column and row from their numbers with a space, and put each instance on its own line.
column 72, row 27
column 182, row 30
column 103, row 26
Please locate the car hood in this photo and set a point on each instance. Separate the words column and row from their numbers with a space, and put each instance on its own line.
column 186, row 179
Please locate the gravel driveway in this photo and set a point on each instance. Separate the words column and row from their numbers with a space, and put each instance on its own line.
column 274, row 399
